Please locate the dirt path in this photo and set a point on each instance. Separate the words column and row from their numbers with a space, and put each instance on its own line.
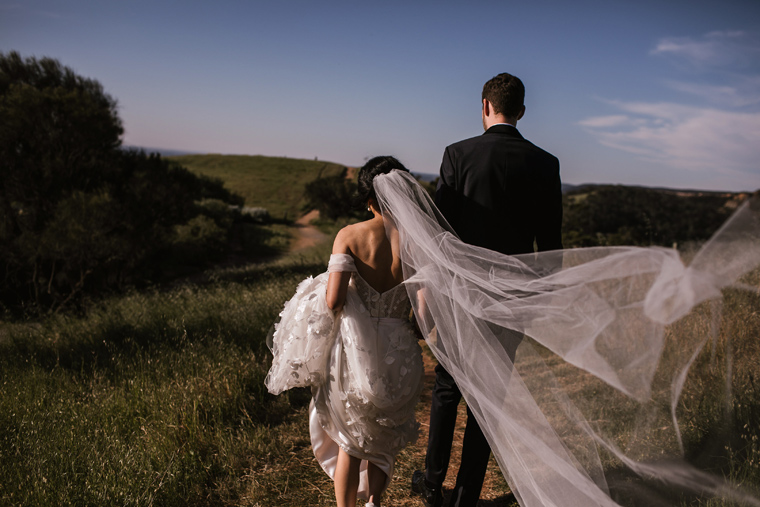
column 495, row 489
column 306, row 235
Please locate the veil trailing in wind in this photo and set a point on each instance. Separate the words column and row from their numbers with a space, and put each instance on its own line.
column 560, row 354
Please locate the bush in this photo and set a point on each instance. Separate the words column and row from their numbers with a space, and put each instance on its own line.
column 333, row 196
column 77, row 213
column 620, row 215
column 257, row 215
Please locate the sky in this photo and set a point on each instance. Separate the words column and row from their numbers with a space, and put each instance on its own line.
column 653, row 93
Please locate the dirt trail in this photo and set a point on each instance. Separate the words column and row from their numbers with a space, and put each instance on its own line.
column 306, row 235
column 495, row 491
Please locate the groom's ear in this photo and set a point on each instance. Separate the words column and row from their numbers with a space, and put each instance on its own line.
column 486, row 107
column 522, row 113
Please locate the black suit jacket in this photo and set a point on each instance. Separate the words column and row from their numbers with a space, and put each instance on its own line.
column 502, row 192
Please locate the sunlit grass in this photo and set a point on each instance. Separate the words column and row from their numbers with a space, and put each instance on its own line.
column 274, row 183
column 157, row 398
column 153, row 398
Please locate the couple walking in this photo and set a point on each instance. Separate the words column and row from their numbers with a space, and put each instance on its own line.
column 498, row 191
column 466, row 266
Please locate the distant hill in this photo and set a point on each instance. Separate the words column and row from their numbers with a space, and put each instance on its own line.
column 274, row 183
column 599, row 215
column 569, row 188
column 161, row 151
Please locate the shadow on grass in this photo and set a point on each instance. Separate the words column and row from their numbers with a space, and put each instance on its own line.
column 631, row 490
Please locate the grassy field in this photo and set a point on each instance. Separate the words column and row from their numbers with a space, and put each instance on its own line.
column 157, row 398
column 153, row 398
column 274, row 183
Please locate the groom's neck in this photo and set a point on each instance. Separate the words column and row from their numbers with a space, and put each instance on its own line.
column 490, row 121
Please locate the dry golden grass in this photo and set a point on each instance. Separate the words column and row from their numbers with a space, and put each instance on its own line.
column 157, row 398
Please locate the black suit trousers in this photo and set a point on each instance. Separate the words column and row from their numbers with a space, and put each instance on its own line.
column 475, row 448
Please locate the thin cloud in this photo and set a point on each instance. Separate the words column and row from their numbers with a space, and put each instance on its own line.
column 606, row 121
column 716, row 50
column 719, row 132
column 682, row 136
column 744, row 92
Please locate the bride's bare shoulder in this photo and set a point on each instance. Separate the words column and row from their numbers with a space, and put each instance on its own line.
column 346, row 238
column 351, row 236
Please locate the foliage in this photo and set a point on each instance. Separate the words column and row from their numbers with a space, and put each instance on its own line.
column 256, row 214
column 620, row 215
column 77, row 213
column 333, row 196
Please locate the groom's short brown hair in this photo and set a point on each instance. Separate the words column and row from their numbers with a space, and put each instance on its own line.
column 506, row 94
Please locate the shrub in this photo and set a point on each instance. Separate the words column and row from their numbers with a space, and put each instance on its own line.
column 333, row 196
column 77, row 213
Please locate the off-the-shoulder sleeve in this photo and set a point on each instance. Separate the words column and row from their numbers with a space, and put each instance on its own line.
column 341, row 262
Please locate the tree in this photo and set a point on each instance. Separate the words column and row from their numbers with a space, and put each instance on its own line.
column 78, row 213
column 333, row 196
column 621, row 215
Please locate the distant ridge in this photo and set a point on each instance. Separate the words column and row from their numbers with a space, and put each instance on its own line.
column 431, row 177
column 164, row 152
column 586, row 187
column 427, row 177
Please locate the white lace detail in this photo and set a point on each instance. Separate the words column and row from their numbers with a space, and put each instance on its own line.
column 364, row 366
column 302, row 339
column 393, row 303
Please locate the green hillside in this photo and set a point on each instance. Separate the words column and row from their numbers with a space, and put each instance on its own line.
column 274, row 183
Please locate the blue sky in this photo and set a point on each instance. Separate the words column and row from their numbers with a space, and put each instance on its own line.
column 622, row 92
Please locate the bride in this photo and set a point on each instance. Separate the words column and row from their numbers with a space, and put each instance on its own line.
column 363, row 363
column 575, row 316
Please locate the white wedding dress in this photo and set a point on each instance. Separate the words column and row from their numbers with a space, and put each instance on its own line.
column 364, row 367
column 520, row 335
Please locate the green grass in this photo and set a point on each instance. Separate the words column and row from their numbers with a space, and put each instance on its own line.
column 274, row 183
column 157, row 398
column 152, row 398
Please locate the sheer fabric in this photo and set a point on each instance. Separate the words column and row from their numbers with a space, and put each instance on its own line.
column 521, row 333
column 364, row 367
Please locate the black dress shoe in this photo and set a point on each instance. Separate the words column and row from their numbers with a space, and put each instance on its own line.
column 431, row 497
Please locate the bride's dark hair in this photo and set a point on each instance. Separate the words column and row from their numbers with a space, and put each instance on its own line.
column 374, row 167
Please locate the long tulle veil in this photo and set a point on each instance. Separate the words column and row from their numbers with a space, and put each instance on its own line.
column 525, row 336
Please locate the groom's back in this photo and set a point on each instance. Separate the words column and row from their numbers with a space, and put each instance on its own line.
column 501, row 192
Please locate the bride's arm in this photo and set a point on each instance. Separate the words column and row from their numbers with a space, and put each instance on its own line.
column 337, row 283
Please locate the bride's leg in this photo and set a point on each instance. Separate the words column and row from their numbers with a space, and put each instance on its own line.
column 346, row 479
column 376, row 479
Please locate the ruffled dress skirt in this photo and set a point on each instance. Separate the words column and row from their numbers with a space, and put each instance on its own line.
column 364, row 369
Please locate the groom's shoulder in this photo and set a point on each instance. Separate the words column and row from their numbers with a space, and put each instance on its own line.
column 468, row 144
column 539, row 150
column 482, row 142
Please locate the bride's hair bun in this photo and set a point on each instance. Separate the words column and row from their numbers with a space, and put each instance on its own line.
column 374, row 167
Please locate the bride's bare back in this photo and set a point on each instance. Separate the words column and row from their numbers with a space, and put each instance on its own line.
column 376, row 259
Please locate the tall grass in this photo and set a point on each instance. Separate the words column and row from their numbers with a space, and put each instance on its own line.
column 157, row 398
column 149, row 399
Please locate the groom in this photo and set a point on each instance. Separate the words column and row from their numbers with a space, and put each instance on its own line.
column 501, row 192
